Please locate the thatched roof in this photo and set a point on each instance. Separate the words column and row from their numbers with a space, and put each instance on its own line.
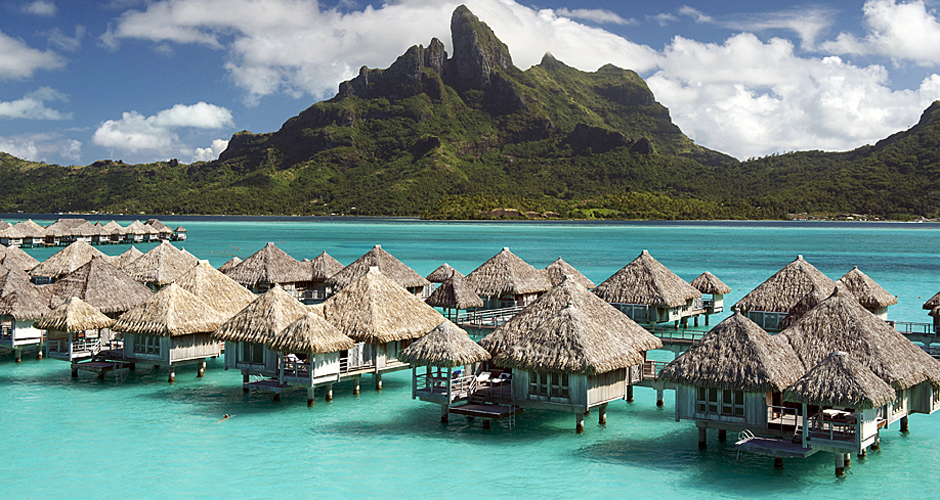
column 935, row 312
column 710, row 284
column 268, row 266
column 17, row 257
column 377, row 310
column 73, row 316
column 646, row 281
column 840, row 323
column 136, row 228
column 840, row 380
column 162, row 265
column 310, row 334
column 736, row 355
column 159, row 226
column 622, row 329
column 126, row 258
column 28, row 228
column 171, row 312
column 324, row 266
column 391, row 267
column 933, row 302
column 454, row 294
column 24, row 304
column 68, row 259
column 102, row 286
column 505, row 273
column 59, row 228
column 216, row 289
column 443, row 273
column 559, row 269
column 870, row 294
column 263, row 319
column 12, row 280
column 447, row 345
column 85, row 229
column 785, row 288
column 807, row 303
column 229, row 264
column 4, row 225
column 111, row 227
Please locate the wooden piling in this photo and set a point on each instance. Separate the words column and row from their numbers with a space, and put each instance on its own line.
column 445, row 411
column 39, row 353
column 629, row 393
column 579, row 422
column 74, row 372
column 840, row 465
column 329, row 392
column 722, row 435
column 877, row 444
column 172, row 377
column 486, row 423
column 861, row 454
column 702, row 438
column 602, row 414
column 356, row 385
column 311, row 392
column 245, row 380
column 18, row 354
column 378, row 381
column 904, row 427
column 660, row 397
column 847, row 458
column 201, row 370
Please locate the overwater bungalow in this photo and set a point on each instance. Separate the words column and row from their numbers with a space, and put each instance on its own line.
column 448, row 357
column 171, row 328
column 505, row 281
column 770, row 302
column 649, row 293
column 15, row 257
column 65, row 261
column 322, row 268
column 869, row 293
column 126, row 258
column 179, row 234
column 443, row 273
column 310, row 350
column 11, row 237
column 454, row 296
column 18, row 311
column 74, row 331
column 383, row 318
column 163, row 231
column 101, row 235
column 23, row 234
column 113, row 232
column 160, row 266
column 271, row 266
column 135, row 232
column 559, row 270
column 390, row 267
column 709, row 284
column 102, row 286
column 216, row 289
column 229, row 264
column 59, row 233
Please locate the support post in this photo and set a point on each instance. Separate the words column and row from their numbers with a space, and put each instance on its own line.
column 602, row 414
column 18, row 354
column 706, row 324
column 378, row 381
column 778, row 462
column 39, row 353
column 356, row 385
column 701, row 438
column 840, row 465
column 862, row 454
column 660, row 397
column 722, row 435
column 695, row 320
column 904, row 428
column 74, row 372
column 486, row 423
column 847, row 459
column 277, row 397
column 311, row 392
column 329, row 392
column 132, row 366
column 245, row 380
column 172, row 377
column 579, row 422
column 201, row 369
column 445, row 411
column 877, row 444
column 629, row 393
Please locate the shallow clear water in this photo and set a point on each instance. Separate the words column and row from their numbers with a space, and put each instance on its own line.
column 133, row 435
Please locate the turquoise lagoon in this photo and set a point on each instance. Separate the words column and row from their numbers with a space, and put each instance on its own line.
column 133, row 435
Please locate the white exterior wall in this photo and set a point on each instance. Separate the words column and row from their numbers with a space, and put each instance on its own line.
column 326, row 367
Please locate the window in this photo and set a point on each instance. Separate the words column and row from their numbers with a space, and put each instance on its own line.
column 251, row 353
column 147, row 344
column 550, row 384
column 719, row 401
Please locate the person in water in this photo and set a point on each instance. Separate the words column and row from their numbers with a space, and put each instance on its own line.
column 224, row 417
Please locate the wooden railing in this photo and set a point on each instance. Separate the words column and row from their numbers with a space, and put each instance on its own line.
column 908, row 328
column 677, row 335
column 825, row 426
column 90, row 346
column 489, row 317
column 652, row 368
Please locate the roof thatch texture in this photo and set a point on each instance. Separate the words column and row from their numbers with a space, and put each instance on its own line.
column 870, row 294
column 840, row 380
column 263, row 319
column 840, row 323
column 126, row 258
column 216, row 289
column 622, row 329
column 454, row 294
column 68, row 259
column 447, row 345
column 736, row 355
column 229, row 265
column 785, row 288
column 102, row 286
column 74, row 316
column 24, row 304
column 558, row 270
column 162, row 265
column 136, row 227
column 505, row 273
column 269, row 266
column 443, row 273
column 4, row 225
column 809, row 301
column 377, row 310
column 29, row 229
column 710, row 284
column 59, row 228
column 159, row 226
column 646, row 281
column 13, row 279
column 391, row 267
column 935, row 312
column 171, row 312
column 310, row 334
column 17, row 257
column 324, row 266
column 111, row 226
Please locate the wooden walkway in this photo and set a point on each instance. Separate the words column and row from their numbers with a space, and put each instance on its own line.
column 491, row 411
column 774, row 447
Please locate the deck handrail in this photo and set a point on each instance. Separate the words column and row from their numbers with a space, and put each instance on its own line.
column 836, row 431
column 912, row 328
column 651, row 368
column 672, row 333
column 493, row 317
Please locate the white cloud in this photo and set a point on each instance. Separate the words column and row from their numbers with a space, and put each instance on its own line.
column 33, row 106
column 58, row 39
column 18, row 60
column 697, row 15
column 807, row 22
column 212, row 152
column 599, row 16
column 135, row 133
column 24, row 150
column 40, row 8
column 665, row 18
column 71, row 150
column 905, row 31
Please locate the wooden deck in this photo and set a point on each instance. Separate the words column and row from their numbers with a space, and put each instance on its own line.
column 491, row 411
column 774, row 447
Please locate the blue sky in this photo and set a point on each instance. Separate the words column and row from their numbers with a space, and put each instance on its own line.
column 142, row 80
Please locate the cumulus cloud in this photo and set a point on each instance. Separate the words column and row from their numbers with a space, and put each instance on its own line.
column 905, row 31
column 212, row 152
column 33, row 106
column 599, row 16
column 135, row 133
column 40, row 8
column 18, row 60
column 58, row 39
column 697, row 15
column 25, row 150
column 71, row 150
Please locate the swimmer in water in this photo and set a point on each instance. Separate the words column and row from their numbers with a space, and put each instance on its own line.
column 224, row 417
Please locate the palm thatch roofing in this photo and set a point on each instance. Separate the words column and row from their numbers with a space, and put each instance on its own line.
column 443, row 273
column 159, row 226
column 126, row 258
column 59, row 228
column 12, row 280
column 935, row 312
column 377, row 310
column 390, row 267
column 135, row 228
column 558, row 270
column 710, row 284
column 24, row 304
column 86, row 229
column 505, row 273
column 324, row 266
column 216, row 289
column 68, row 259
column 112, row 226
column 4, row 225
column 171, row 312
column 102, row 286
column 785, row 288
column 269, row 266
column 263, row 319
column 869, row 293
column 162, row 265
column 736, row 355
column 310, row 334
column 454, row 294
column 73, row 316
column 569, row 294
column 447, row 345
column 933, row 302
column 29, row 229
column 231, row 263
column 646, row 281
column 808, row 302
column 17, row 257
column 840, row 323
column 840, row 380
